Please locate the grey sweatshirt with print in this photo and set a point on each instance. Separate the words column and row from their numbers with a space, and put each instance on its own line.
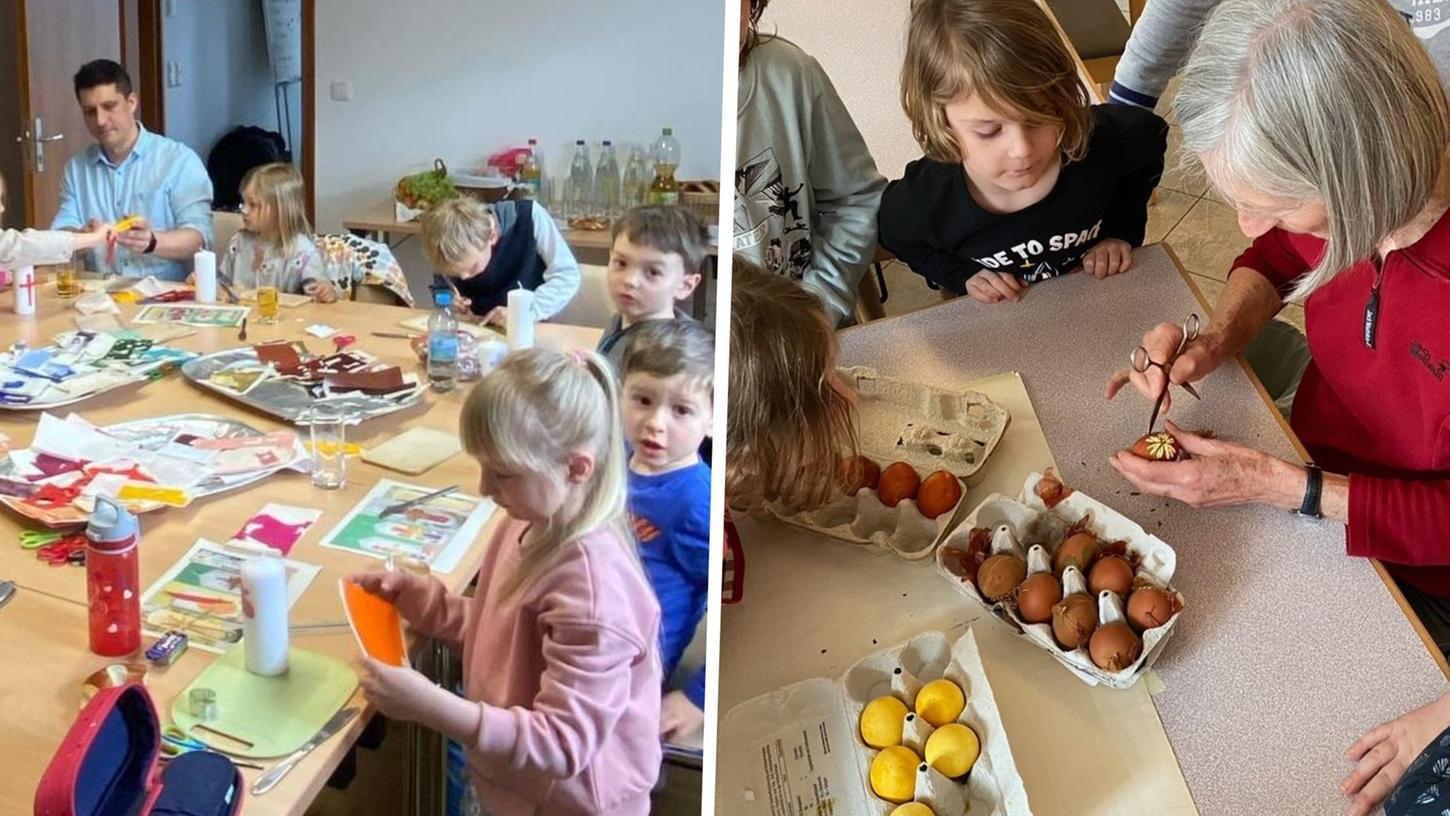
column 806, row 187
column 1164, row 35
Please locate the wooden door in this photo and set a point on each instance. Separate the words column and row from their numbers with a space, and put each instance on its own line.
column 57, row 37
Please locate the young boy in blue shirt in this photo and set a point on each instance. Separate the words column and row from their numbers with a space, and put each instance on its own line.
column 668, row 406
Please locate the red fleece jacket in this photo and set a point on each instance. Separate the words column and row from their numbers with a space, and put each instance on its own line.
column 1381, row 414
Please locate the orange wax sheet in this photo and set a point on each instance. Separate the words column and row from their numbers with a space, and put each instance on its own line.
column 376, row 624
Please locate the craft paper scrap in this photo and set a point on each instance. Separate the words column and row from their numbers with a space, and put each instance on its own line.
column 321, row 330
column 192, row 315
column 201, row 595
column 278, row 526
column 375, row 623
column 438, row 531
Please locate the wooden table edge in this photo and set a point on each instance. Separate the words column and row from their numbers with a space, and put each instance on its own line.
column 1385, row 578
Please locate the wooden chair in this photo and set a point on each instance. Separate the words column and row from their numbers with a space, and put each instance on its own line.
column 871, row 292
column 1097, row 32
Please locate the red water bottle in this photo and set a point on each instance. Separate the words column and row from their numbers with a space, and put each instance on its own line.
column 113, row 579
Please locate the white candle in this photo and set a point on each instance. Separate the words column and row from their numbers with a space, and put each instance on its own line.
column 204, row 265
column 25, row 290
column 521, row 319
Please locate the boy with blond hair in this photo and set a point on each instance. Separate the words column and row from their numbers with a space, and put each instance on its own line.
column 655, row 264
column 489, row 249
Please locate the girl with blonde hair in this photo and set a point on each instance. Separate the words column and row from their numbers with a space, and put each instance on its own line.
column 562, row 671
column 1022, row 180
column 275, row 236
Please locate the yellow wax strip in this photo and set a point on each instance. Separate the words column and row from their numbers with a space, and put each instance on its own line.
column 141, row 491
column 125, row 223
column 127, row 296
column 328, row 448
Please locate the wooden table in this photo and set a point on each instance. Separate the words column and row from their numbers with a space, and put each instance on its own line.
column 43, row 630
column 383, row 226
column 1287, row 652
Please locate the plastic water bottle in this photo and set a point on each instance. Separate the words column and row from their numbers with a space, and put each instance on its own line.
column 532, row 173
column 664, row 189
column 636, row 181
column 606, row 182
column 442, row 343
column 581, row 178
column 113, row 579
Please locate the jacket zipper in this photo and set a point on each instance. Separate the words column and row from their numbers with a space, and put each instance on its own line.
column 1372, row 308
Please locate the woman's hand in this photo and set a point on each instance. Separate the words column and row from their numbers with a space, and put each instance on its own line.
column 1200, row 358
column 993, row 287
column 1383, row 755
column 1109, row 256
column 1218, row 474
column 679, row 718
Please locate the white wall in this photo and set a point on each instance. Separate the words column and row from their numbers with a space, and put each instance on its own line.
column 461, row 79
column 860, row 44
column 221, row 46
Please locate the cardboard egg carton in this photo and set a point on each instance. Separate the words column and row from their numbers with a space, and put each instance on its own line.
column 1026, row 527
column 799, row 749
column 927, row 427
column 930, row 429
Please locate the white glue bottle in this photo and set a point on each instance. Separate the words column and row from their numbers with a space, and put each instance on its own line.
column 264, row 615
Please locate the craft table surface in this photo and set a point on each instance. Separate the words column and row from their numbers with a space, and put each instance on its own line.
column 1288, row 649
column 43, row 630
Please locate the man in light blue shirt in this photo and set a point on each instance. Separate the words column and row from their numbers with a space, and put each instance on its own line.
column 131, row 172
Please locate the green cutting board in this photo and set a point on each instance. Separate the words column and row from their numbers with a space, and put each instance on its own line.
column 276, row 715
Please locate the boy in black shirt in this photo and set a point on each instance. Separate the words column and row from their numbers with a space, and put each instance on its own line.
column 1023, row 180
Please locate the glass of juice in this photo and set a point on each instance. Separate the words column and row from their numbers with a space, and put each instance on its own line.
column 267, row 306
column 67, row 279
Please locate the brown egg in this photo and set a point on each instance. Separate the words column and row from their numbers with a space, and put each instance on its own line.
column 1115, row 647
column 1113, row 574
column 1080, row 550
column 1036, row 596
column 898, row 481
column 856, row 472
column 1157, row 447
column 999, row 575
column 939, row 493
column 1150, row 607
column 1073, row 620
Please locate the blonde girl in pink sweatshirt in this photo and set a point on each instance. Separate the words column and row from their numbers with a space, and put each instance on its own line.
column 560, row 642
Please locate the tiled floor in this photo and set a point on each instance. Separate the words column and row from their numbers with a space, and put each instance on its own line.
column 1201, row 229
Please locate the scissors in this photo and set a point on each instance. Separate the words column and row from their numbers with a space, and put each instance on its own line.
column 1141, row 362
column 175, row 742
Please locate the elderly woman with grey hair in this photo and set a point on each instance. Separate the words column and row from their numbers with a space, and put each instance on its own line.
column 1326, row 127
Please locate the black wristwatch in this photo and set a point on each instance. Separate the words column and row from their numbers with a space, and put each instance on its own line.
column 1313, row 488
column 151, row 247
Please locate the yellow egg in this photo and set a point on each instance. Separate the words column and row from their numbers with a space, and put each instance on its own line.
column 893, row 774
column 953, row 750
column 912, row 809
column 881, row 722
column 940, row 702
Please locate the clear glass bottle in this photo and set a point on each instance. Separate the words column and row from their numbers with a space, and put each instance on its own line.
column 635, row 187
column 606, row 183
column 581, row 178
column 532, row 173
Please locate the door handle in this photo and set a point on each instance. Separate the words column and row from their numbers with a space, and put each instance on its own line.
column 39, row 140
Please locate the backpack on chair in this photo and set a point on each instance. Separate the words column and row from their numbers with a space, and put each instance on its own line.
column 236, row 153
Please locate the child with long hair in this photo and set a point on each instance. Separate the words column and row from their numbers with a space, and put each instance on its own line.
column 791, row 416
column 275, row 236
column 1023, row 180
column 560, row 643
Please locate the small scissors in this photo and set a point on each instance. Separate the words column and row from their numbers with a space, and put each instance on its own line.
column 175, row 742
column 1141, row 362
